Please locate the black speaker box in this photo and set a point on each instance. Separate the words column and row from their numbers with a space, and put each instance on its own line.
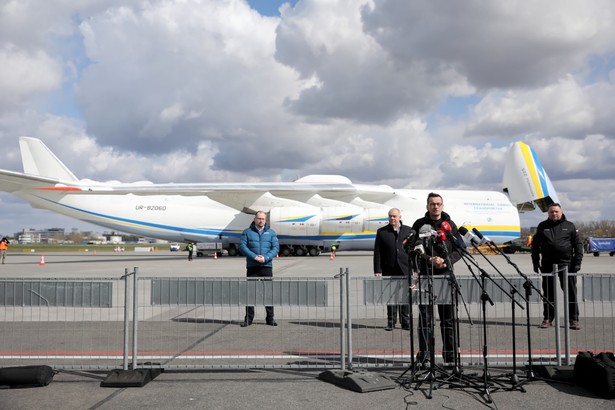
column 26, row 376
column 596, row 373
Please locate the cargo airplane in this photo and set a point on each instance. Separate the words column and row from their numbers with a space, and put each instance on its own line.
column 312, row 214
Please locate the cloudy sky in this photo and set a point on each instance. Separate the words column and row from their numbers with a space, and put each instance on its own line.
column 413, row 94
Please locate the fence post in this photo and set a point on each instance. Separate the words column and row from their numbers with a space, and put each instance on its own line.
column 342, row 320
column 558, row 343
column 135, row 316
column 126, row 314
column 566, row 314
column 348, row 320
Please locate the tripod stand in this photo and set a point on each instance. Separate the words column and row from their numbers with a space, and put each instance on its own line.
column 528, row 285
column 488, row 383
column 435, row 375
column 432, row 373
column 514, row 379
column 423, row 369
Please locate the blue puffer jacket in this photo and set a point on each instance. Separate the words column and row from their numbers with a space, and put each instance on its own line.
column 253, row 244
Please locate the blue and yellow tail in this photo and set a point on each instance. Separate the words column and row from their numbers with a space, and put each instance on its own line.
column 525, row 180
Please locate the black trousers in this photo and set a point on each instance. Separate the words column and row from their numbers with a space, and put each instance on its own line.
column 404, row 314
column 445, row 312
column 548, row 288
column 259, row 272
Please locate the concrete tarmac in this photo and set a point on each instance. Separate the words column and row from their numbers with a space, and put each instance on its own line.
column 267, row 388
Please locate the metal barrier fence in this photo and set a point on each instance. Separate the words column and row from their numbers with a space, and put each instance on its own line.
column 193, row 323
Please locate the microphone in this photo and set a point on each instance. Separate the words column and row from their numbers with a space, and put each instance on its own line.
column 469, row 236
column 445, row 226
column 427, row 231
column 409, row 241
column 441, row 235
column 411, row 234
column 483, row 239
column 459, row 244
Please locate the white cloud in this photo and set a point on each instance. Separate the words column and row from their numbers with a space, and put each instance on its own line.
column 185, row 90
column 563, row 108
column 24, row 75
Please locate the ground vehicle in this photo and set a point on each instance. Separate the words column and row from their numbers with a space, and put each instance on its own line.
column 516, row 245
column 209, row 249
column 174, row 247
column 597, row 245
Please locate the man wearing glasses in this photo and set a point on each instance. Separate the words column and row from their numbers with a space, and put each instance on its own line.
column 260, row 245
column 438, row 254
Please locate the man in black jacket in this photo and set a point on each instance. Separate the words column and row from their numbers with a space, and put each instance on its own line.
column 391, row 259
column 439, row 255
column 558, row 243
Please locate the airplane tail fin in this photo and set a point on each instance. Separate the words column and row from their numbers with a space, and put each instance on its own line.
column 525, row 180
column 38, row 160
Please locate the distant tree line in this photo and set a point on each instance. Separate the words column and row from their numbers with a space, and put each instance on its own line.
column 594, row 229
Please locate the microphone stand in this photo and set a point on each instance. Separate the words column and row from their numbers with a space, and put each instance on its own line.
column 513, row 378
column 455, row 296
column 456, row 378
column 528, row 285
column 412, row 256
column 432, row 374
column 487, row 385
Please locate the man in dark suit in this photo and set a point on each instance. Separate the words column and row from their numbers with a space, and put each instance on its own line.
column 391, row 259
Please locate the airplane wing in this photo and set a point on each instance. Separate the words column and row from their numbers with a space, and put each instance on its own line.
column 40, row 163
column 15, row 181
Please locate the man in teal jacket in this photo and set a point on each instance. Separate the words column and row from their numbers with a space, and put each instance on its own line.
column 260, row 245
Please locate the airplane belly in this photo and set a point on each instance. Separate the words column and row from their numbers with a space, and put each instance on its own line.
column 168, row 217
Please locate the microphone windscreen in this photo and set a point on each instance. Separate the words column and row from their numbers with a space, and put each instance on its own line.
column 463, row 230
column 441, row 235
column 477, row 233
column 425, row 229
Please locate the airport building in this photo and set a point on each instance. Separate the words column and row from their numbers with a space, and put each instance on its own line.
column 52, row 235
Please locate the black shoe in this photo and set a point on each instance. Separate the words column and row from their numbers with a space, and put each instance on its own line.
column 245, row 323
column 405, row 327
column 272, row 323
column 390, row 327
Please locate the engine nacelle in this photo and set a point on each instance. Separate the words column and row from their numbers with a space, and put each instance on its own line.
column 296, row 221
column 311, row 221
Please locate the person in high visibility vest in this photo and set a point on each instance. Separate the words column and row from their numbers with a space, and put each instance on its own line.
column 190, row 249
column 4, row 247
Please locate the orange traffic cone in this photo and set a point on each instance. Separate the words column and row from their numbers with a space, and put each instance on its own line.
column 42, row 262
column 215, row 256
column 332, row 255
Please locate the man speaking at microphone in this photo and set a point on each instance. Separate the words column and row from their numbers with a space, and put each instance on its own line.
column 391, row 259
column 436, row 260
